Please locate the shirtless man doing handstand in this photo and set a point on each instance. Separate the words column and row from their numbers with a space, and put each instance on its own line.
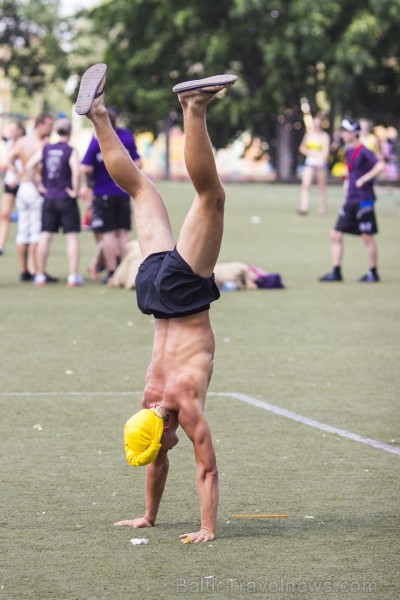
column 176, row 284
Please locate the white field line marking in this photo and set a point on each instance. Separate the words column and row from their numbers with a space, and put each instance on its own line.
column 282, row 412
column 35, row 394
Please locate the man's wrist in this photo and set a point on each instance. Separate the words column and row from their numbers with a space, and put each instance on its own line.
column 150, row 522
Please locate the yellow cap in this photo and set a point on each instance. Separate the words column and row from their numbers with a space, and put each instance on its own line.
column 142, row 435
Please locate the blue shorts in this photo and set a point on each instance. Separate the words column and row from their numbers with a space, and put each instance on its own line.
column 167, row 288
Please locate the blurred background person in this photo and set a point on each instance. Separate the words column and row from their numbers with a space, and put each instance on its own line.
column 315, row 146
column 369, row 139
column 357, row 215
column 14, row 131
column 59, row 185
column 28, row 199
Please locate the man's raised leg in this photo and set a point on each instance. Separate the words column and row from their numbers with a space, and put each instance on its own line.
column 151, row 219
column 201, row 234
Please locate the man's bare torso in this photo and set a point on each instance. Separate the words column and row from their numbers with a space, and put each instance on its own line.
column 182, row 362
column 26, row 147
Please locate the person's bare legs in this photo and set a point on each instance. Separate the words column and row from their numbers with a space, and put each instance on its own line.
column 336, row 248
column 372, row 250
column 73, row 253
column 32, row 258
column 152, row 224
column 306, row 182
column 42, row 251
column 7, row 204
column 322, row 177
column 22, row 251
column 122, row 236
column 201, row 234
column 109, row 247
column 98, row 255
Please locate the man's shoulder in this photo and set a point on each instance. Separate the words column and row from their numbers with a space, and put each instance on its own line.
column 368, row 154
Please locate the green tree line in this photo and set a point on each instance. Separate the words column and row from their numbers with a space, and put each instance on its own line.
column 342, row 56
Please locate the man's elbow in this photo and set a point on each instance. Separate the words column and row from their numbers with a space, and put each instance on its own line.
column 208, row 473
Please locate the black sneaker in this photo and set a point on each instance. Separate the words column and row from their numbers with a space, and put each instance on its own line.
column 331, row 277
column 50, row 279
column 26, row 276
column 1, row 251
column 369, row 278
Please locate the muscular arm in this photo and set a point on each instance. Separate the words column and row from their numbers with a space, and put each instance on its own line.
column 156, row 477
column 196, row 427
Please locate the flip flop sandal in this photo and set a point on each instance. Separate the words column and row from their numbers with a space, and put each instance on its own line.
column 89, row 88
column 198, row 84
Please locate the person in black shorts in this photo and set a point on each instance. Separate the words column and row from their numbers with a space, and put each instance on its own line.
column 175, row 283
column 59, row 185
column 357, row 216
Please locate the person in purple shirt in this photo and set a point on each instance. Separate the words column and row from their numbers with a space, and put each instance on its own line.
column 59, row 184
column 111, row 206
column 357, row 216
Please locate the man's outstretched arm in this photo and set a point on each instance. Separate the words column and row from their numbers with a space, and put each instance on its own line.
column 196, row 427
column 156, row 477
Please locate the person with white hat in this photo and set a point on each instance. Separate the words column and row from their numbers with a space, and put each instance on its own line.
column 357, row 216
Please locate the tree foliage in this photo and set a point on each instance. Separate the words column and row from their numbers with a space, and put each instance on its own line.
column 341, row 56
column 30, row 50
column 282, row 50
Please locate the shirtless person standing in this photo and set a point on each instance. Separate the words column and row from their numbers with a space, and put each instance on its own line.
column 29, row 201
column 175, row 283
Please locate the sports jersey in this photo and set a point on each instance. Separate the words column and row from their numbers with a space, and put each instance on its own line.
column 359, row 161
column 103, row 183
column 56, row 170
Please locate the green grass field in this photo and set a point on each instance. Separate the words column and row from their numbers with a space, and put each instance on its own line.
column 72, row 367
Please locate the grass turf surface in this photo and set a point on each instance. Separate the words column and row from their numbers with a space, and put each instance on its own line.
column 326, row 351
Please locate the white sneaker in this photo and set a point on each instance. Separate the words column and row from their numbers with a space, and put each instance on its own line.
column 75, row 281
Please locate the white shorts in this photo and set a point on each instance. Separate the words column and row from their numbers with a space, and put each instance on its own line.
column 29, row 206
column 315, row 162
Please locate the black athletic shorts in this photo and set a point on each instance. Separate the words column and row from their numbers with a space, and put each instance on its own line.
column 61, row 213
column 8, row 189
column 111, row 213
column 357, row 219
column 166, row 287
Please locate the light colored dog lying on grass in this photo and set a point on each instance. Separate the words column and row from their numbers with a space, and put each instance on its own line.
column 125, row 273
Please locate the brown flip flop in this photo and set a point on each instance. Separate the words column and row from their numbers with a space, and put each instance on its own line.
column 198, row 84
column 89, row 88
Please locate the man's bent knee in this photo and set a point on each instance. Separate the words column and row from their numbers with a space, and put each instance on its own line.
column 336, row 236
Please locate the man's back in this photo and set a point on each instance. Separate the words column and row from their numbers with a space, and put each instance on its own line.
column 56, row 170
